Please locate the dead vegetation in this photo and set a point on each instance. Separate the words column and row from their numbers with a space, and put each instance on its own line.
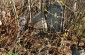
column 33, row 41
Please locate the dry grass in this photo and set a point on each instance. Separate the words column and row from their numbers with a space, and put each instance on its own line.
column 30, row 43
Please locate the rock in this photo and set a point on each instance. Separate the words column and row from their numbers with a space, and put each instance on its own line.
column 0, row 22
column 22, row 21
column 3, row 13
column 23, row 26
column 82, row 52
column 75, row 50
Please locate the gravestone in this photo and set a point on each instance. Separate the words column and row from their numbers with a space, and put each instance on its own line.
column 54, row 18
